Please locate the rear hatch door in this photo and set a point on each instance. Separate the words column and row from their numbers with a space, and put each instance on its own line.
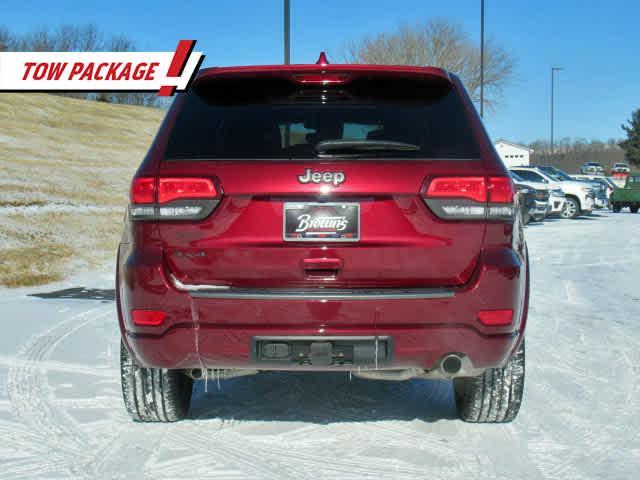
column 299, row 208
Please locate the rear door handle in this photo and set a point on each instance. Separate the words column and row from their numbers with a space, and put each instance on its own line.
column 322, row 267
column 322, row 263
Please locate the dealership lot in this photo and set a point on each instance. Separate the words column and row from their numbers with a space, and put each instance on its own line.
column 61, row 412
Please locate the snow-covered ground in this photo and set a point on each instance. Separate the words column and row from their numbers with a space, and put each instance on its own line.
column 61, row 413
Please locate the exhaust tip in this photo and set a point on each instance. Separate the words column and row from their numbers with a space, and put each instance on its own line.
column 452, row 364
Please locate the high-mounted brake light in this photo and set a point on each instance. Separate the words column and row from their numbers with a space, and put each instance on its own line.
column 173, row 198
column 321, row 78
column 471, row 198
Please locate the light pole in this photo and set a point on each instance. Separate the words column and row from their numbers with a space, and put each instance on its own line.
column 287, row 32
column 287, row 59
column 482, row 58
column 553, row 72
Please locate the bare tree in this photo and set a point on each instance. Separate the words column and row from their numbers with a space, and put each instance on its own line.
column 570, row 154
column 5, row 40
column 122, row 43
column 439, row 43
column 74, row 38
column 67, row 38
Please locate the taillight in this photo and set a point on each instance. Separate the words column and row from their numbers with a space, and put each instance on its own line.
column 173, row 198
column 500, row 190
column 143, row 190
column 174, row 188
column 471, row 198
column 473, row 188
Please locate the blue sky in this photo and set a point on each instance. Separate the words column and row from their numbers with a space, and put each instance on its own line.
column 595, row 42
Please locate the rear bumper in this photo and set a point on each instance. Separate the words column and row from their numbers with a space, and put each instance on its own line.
column 206, row 328
column 230, row 348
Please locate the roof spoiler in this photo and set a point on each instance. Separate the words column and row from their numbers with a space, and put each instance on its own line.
column 324, row 73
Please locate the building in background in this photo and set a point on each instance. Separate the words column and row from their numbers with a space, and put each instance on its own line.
column 513, row 154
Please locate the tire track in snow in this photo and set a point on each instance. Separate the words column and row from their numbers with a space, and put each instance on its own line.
column 65, row 444
column 300, row 453
column 64, row 367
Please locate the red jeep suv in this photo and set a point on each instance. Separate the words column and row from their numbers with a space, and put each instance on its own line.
column 329, row 218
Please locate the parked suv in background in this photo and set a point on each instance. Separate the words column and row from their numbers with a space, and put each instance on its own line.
column 592, row 168
column 579, row 195
column 322, row 217
column 597, row 195
column 620, row 168
column 537, row 201
column 556, row 200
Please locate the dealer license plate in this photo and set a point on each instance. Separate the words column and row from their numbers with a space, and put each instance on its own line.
column 321, row 222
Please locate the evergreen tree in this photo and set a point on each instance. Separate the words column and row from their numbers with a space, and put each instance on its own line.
column 631, row 145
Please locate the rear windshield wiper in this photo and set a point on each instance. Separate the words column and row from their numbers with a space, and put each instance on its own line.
column 351, row 147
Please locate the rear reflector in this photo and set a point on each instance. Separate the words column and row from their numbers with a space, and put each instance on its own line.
column 495, row 318
column 143, row 190
column 148, row 317
column 464, row 211
column 185, row 211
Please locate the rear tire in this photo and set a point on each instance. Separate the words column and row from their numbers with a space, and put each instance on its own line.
column 634, row 209
column 616, row 208
column 153, row 394
column 495, row 396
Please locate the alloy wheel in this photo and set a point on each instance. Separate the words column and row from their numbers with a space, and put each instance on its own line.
column 570, row 209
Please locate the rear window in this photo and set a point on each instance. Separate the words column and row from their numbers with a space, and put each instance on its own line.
column 276, row 119
column 530, row 176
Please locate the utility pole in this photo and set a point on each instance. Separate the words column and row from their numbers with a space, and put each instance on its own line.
column 482, row 58
column 553, row 72
column 287, row 32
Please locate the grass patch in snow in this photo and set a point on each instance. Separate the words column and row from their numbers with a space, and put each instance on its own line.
column 66, row 167
column 30, row 266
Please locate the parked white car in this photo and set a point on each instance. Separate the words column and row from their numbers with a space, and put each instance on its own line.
column 556, row 200
column 592, row 168
column 580, row 196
